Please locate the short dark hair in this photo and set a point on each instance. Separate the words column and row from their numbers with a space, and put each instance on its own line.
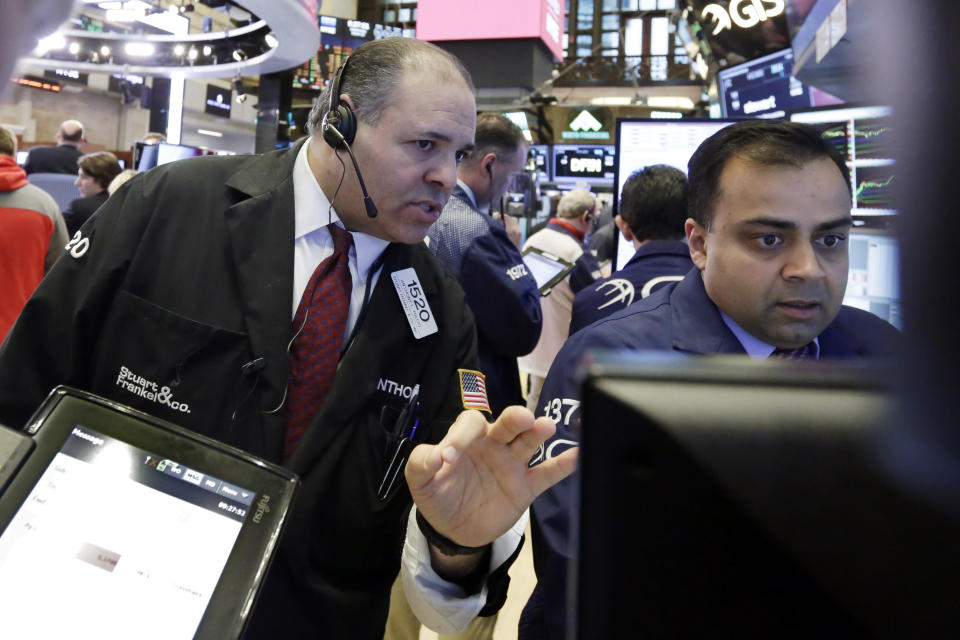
column 654, row 202
column 495, row 134
column 762, row 142
column 375, row 67
column 102, row 166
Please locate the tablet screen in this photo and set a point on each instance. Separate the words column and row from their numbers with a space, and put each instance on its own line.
column 122, row 540
column 543, row 268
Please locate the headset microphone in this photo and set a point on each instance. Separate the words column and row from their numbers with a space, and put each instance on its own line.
column 339, row 130
column 367, row 200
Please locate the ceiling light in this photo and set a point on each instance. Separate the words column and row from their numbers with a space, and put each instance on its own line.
column 670, row 102
column 666, row 115
column 122, row 15
column 74, row 48
column 239, row 55
column 192, row 55
column 139, row 49
column 207, row 132
column 207, row 50
column 271, row 40
column 53, row 42
column 107, row 6
column 179, row 49
column 611, row 100
column 105, row 51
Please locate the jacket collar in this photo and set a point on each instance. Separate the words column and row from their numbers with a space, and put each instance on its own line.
column 661, row 247
column 697, row 324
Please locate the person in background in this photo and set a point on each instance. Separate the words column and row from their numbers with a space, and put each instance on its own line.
column 120, row 180
column 61, row 158
column 154, row 137
column 32, row 234
column 653, row 208
column 769, row 215
column 96, row 171
column 563, row 237
column 476, row 249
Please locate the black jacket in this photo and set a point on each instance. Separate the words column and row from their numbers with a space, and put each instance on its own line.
column 60, row 159
column 80, row 209
column 184, row 276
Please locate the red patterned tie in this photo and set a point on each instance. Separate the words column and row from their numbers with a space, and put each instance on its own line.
column 322, row 314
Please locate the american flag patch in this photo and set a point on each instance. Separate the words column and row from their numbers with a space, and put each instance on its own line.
column 473, row 390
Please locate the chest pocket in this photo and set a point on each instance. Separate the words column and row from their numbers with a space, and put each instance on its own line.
column 170, row 366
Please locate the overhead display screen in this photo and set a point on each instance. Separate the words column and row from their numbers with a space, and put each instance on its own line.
column 583, row 163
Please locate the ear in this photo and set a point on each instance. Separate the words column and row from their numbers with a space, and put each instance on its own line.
column 624, row 228
column 486, row 162
column 697, row 239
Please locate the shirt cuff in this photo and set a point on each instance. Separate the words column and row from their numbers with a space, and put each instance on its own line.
column 444, row 606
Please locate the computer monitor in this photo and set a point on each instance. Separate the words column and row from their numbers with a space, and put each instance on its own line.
column 765, row 88
column 167, row 152
column 22, row 157
column 730, row 498
column 120, row 525
column 873, row 283
column 641, row 142
column 583, row 163
column 144, row 156
column 862, row 135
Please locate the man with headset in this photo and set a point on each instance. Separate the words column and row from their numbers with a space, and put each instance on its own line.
column 201, row 277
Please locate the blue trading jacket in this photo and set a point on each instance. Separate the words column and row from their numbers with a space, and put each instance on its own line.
column 500, row 291
column 653, row 265
column 678, row 317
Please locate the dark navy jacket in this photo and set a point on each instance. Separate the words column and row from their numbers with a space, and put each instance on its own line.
column 500, row 291
column 653, row 265
column 679, row 317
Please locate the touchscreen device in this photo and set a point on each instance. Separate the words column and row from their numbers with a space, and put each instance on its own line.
column 121, row 525
column 547, row 269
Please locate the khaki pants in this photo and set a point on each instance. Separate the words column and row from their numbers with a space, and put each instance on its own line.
column 403, row 625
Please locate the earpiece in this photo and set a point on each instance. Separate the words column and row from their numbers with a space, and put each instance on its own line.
column 339, row 116
column 340, row 128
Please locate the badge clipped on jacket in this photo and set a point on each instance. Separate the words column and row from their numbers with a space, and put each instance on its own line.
column 414, row 302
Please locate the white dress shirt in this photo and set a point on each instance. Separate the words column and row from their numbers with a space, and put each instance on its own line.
column 440, row 605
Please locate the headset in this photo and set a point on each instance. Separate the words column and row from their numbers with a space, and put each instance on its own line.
column 339, row 128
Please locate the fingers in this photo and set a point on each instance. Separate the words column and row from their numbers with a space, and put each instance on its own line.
column 426, row 460
column 512, row 422
column 550, row 472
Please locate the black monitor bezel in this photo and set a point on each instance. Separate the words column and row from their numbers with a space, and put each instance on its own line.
column 233, row 599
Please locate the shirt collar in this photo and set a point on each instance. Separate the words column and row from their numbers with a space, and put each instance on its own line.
column 467, row 191
column 756, row 348
column 311, row 207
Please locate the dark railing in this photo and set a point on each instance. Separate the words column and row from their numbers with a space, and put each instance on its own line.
column 625, row 71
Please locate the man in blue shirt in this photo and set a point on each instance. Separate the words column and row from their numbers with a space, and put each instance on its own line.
column 477, row 249
column 769, row 206
column 653, row 208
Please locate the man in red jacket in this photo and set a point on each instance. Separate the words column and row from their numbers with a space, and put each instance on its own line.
column 32, row 234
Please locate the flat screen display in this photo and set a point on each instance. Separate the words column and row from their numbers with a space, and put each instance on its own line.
column 762, row 88
column 546, row 269
column 22, row 157
column 863, row 136
column 338, row 38
column 167, row 152
column 119, row 525
column 590, row 164
column 873, row 283
column 644, row 142
column 110, row 523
